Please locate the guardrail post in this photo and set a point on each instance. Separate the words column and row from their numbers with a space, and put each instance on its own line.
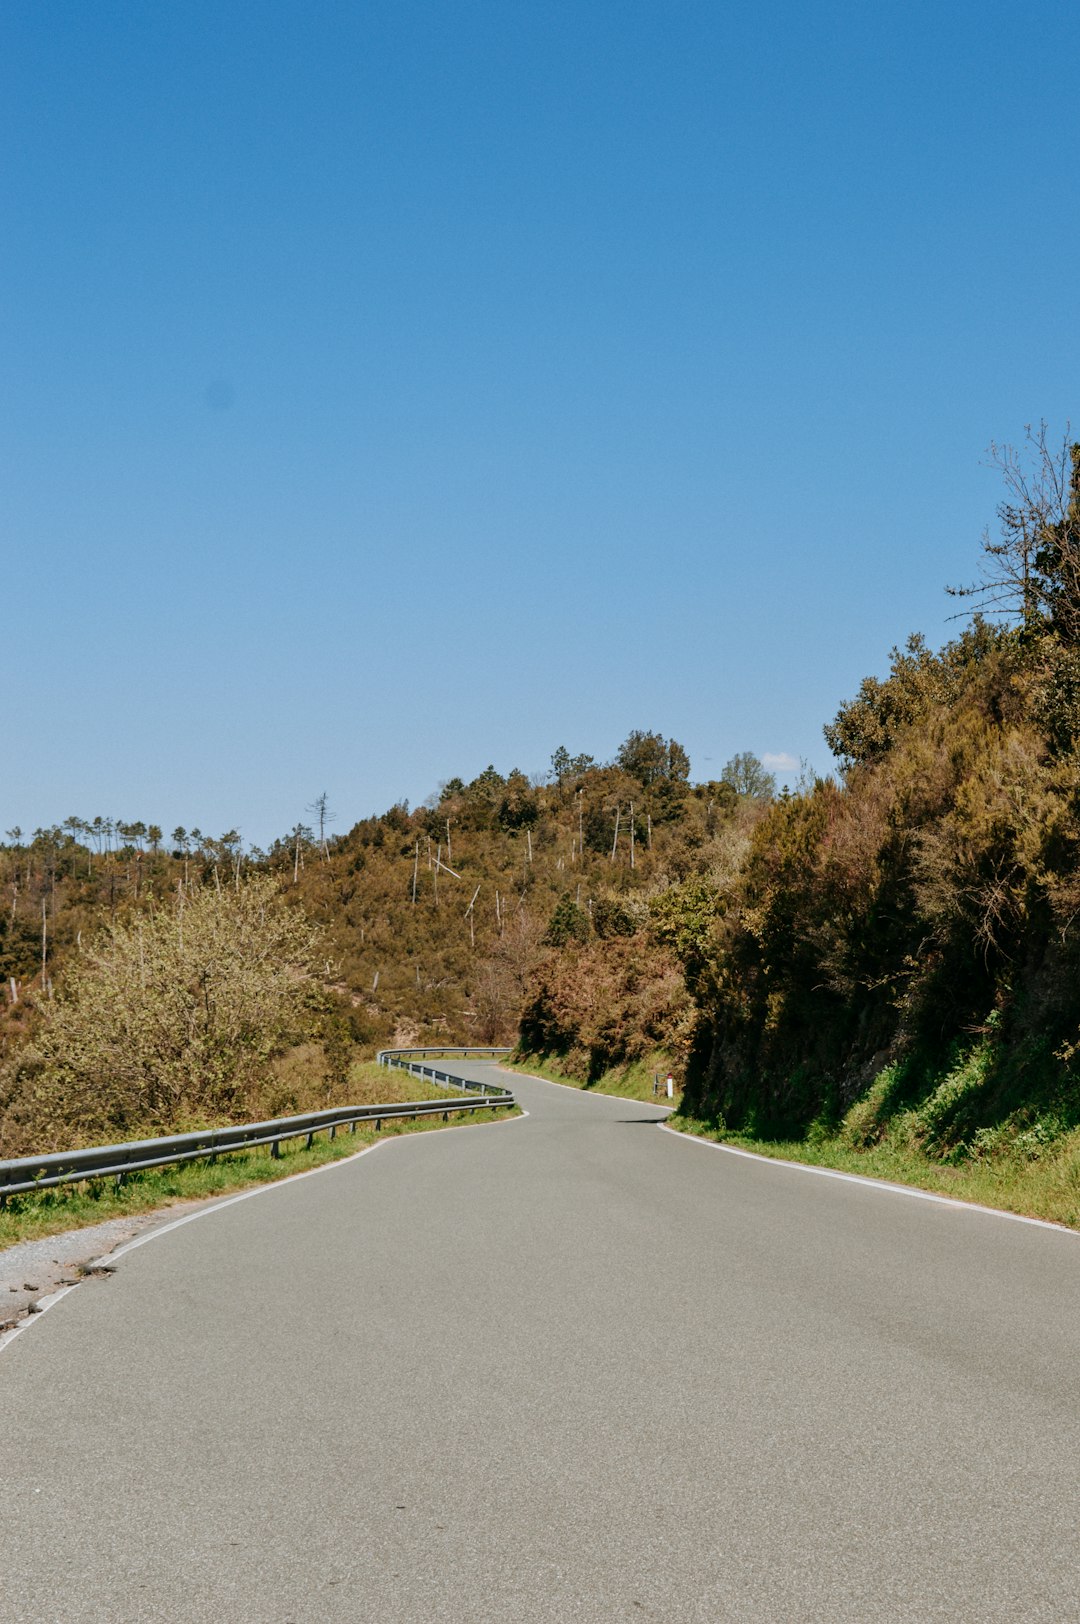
column 275, row 1149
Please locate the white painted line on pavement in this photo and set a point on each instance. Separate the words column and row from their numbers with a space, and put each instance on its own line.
column 292, row 1178
column 107, row 1259
column 42, row 1307
column 869, row 1183
column 589, row 1093
column 806, row 1167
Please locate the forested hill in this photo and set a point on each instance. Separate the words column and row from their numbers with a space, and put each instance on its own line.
column 893, row 950
column 431, row 925
column 439, row 919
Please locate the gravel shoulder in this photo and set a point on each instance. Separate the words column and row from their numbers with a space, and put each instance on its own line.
column 33, row 1270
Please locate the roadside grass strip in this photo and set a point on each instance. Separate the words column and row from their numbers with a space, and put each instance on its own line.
column 896, row 1185
column 1042, row 1188
column 74, row 1206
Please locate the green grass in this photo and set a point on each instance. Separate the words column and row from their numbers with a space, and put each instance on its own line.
column 977, row 1129
column 74, row 1206
column 1028, row 1168
column 633, row 1081
column 1048, row 1187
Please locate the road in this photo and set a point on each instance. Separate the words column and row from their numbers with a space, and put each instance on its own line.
column 565, row 1367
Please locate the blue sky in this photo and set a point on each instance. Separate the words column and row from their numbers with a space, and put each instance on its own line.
column 394, row 388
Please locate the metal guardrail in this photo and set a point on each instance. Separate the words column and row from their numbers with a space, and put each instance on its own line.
column 397, row 1058
column 26, row 1173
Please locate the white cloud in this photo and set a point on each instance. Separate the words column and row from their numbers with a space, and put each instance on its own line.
column 780, row 761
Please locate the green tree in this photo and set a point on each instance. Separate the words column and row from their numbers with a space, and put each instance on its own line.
column 568, row 923
column 652, row 759
column 748, row 778
column 565, row 767
column 519, row 808
column 920, row 685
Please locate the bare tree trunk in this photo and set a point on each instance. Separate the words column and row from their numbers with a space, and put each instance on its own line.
column 415, row 871
column 471, row 917
column 631, row 834
column 615, row 842
column 320, row 808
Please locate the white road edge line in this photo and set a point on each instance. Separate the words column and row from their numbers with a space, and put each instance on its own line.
column 107, row 1259
column 864, row 1179
column 589, row 1093
column 42, row 1306
column 869, row 1183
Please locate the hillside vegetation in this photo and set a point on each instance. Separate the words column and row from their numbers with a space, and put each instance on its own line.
column 155, row 984
column 889, row 976
column 881, row 964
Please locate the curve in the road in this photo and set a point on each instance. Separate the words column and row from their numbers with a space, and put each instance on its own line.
column 569, row 1370
column 110, row 1259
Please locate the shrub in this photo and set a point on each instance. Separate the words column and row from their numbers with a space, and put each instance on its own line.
column 170, row 1017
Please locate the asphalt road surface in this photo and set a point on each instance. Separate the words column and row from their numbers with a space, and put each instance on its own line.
column 567, row 1367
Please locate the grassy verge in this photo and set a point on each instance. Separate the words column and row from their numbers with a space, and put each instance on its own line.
column 74, row 1206
column 1047, row 1188
column 632, row 1082
column 1032, row 1169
